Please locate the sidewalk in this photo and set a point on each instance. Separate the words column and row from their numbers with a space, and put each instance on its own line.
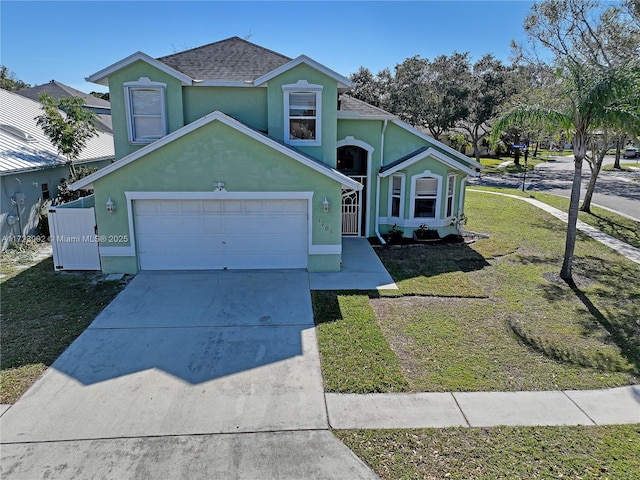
column 616, row 245
column 484, row 409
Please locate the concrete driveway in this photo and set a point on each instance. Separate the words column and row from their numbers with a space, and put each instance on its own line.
column 172, row 367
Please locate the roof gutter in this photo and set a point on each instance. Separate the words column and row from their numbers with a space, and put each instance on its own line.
column 377, row 222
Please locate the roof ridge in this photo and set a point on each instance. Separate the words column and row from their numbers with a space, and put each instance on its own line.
column 222, row 41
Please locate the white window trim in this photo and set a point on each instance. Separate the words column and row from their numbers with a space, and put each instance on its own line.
column 144, row 83
column 412, row 207
column 302, row 86
column 452, row 213
column 402, row 190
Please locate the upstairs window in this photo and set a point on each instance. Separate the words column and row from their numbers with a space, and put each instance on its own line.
column 302, row 113
column 146, row 111
column 425, row 199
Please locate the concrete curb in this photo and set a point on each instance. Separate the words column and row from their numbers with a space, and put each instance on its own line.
column 484, row 409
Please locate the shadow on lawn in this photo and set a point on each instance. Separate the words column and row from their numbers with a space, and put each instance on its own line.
column 44, row 311
column 607, row 292
column 622, row 329
column 408, row 262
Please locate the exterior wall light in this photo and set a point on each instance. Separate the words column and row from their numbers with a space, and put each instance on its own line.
column 325, row 205
column 219, row 187
column 111, row 207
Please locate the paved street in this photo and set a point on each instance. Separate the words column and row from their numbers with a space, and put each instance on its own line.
column 617, row 191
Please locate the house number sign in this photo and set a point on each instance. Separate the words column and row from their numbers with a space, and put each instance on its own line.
column 326, row 227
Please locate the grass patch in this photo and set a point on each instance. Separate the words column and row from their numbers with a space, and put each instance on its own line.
column 617, row 226
column 493, row 315
column 624, row 167
column 501, row 452
column 42, row 313
column 355, row 356
column 491, row 165
column 432, row 270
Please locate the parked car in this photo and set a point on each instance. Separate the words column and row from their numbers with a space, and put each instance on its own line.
column 630, row 152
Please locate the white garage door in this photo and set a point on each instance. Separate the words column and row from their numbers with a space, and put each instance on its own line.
column 215, row 234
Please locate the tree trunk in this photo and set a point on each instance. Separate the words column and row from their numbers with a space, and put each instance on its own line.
column 579, row 150
column 72, row 170
column 595, row 171
column 596, row 165
column 619, row 142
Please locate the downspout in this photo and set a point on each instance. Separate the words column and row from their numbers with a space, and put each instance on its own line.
column 377, row 227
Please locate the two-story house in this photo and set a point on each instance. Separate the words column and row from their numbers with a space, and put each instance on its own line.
column 231, row 156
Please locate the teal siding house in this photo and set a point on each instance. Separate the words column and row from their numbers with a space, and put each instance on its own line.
column 232, row 156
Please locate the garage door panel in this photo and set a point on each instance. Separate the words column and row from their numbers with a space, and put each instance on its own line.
column 213, row 234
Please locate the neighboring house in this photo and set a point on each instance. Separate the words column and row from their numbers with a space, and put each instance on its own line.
column 30, row 167
column 58, row 90
column 233, row 156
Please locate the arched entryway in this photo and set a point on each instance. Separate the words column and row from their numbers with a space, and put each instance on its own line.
column 353, row 161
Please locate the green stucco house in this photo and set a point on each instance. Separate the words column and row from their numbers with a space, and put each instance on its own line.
column 233, row 156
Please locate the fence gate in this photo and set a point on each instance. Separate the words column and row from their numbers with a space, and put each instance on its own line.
column 351, row 212
column 73, row 238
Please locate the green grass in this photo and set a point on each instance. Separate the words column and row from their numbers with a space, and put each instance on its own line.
column 42, row 313
column 438, row 270
column 624, row 166
column 355, row 356
column 618, row 226
column 493, row 315
column 603, row 452
column 491, row 165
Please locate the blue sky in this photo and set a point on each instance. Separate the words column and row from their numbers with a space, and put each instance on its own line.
column 68, row 41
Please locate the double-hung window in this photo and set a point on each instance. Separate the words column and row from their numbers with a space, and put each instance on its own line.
column 302, row 113
column 451, row 185
column 146, row 111
column 425, row 197
column 396, row 194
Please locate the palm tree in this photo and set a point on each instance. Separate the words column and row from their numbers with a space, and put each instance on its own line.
column 593, row 97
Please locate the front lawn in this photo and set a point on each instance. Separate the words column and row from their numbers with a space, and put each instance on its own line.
column 618, row 226
column 492, row 315
column 42, row 313
column 607, row 452
column 491, row 164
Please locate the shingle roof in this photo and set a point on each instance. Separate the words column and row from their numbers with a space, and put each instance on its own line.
column 232, row 60
column 58, row 90
column 400, row 160
column 23, row 144
column 350, row 104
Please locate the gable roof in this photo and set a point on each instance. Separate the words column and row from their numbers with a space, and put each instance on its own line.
column 421, row 153
column 461, row 158
column 230, row 60
column 102, row 76
column 343, row 82
column 329, row 172
column 233, row 62
column 58, row 90
column 25, row 147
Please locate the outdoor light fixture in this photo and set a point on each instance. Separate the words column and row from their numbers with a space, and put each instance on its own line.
column 219, row 186
column 325, row 205
column 111, row 207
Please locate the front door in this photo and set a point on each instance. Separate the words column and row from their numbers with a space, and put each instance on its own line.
column 352, row 161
